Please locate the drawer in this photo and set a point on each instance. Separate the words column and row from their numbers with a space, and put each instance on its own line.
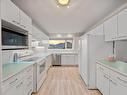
column 12, row 81
column 28, row 71
column 119, row 78
column 103, row 69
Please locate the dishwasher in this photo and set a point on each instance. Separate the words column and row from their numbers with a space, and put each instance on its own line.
column 56, row 60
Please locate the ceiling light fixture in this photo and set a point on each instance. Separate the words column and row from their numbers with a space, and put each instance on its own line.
column 63, row 2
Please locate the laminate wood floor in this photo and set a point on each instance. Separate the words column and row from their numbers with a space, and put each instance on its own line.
column 64, row 81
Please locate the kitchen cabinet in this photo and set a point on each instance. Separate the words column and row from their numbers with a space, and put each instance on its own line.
column 68, row 59
column 97, row 31
column 110, row 82
column 38, row 34
column 49, row 61
column 110, row 29
column 12, row 14
column 103, row 79
column 19, row 84
column 99, row 78
column 25, row 21
column 116, row 88
column 122, row 22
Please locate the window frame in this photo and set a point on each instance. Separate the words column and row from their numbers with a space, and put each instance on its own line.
column 65, row 44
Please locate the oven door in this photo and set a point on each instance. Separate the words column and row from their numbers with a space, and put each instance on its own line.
column 41, row 73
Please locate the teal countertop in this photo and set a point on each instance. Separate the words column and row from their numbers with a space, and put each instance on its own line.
column 11, row 69
column 118, row 66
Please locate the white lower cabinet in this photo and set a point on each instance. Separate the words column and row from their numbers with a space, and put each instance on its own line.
column 111, row 84
column 20, row 84
column 68, row 59
column 103, row 79
column 117, row 89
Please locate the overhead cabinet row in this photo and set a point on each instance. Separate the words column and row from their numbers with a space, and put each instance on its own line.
column 12, row 14
column 115, row 28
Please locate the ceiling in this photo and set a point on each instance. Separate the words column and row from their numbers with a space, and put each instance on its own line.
column 80, row 16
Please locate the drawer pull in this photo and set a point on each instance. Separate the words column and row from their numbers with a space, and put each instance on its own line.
column 101, row 68
column 19, row 85
column 29, row 77
column 113, row 82
column 29, row 70
column 106, row 77
column 121, row 80
column 121, row 36
column 13, row 81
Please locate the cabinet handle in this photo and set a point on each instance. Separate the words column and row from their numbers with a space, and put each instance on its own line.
column 113, row 82
column 121, row 36
column 13, row 81
column 106, row 77
column 101, row 68
column 19, row 85
column 29, row 77
column 121, row 80
column 114, row 38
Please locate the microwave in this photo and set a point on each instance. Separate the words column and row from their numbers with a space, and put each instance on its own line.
column 14, row 39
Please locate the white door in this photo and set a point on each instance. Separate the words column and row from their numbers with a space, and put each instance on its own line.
column 110, row 29
column 122, row 24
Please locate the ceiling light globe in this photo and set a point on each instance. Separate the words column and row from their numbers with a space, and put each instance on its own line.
column 63, row 2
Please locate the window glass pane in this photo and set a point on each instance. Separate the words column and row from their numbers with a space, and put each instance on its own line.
column 69, row 44
column 56, row 44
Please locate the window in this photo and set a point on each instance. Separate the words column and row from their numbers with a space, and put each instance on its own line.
column 60, row 44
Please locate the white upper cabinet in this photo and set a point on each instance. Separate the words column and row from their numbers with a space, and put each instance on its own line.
column 25, row 21
column 97, row 31
column 12, row 14
column 122, row 24
column 110, row 29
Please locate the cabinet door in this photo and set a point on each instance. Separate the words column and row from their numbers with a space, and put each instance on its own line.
column 19, row 88
column 11, row 12
column 10, row 91
column 110, row 29
column 25, row 21
column 122, row 22
column 117, row 89
column 99, row 78
column 105, row 83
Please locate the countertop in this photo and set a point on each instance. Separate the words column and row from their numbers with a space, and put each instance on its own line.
column 117, row 66
column 12, row 68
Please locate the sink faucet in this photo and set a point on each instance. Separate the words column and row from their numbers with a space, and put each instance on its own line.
column 15, row 57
